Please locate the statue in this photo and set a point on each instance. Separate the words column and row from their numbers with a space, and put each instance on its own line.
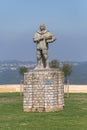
column 42, row 38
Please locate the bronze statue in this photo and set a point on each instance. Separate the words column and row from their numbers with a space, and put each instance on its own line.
column 42, row 38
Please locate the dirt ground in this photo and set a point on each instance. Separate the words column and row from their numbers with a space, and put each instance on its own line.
column 67, row 88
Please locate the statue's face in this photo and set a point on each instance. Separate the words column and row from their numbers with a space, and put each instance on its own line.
column 42, row 27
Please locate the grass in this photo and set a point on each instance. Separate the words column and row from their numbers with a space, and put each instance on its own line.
column 73, row 117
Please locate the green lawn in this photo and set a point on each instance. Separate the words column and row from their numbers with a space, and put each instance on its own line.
column 73, row 117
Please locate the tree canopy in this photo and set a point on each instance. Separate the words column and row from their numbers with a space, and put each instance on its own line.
column 23, row 70
column 67, row 69
column 54, row 64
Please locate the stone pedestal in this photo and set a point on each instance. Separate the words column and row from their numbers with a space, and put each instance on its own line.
column 43, row 90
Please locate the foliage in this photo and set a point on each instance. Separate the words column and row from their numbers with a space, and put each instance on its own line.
column 23, row 70
column 54, row 64
column 73, row 117
column 67, row 69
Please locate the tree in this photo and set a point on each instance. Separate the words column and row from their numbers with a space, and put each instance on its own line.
column 23, row 70
column 54, row 64
column 67, row 69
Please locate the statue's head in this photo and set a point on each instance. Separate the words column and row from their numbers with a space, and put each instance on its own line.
column 42, row 27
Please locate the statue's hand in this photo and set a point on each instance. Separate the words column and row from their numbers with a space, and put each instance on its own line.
column 49, row 37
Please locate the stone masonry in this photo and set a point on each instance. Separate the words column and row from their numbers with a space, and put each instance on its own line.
column 43, row 90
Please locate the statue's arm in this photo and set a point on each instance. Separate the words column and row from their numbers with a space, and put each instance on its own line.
column 51, row 38
column 37, row 38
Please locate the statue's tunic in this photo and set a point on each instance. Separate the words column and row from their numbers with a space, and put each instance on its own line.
column 42, row 39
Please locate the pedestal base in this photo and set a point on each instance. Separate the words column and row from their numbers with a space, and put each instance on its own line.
column 43, row 90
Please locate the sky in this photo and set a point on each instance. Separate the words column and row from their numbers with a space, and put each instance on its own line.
column 66, row 19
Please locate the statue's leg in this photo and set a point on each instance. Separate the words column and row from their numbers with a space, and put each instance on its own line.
column 45, row 53
column 38, row 58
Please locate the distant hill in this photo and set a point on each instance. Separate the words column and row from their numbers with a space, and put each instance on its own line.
column 79, row 73
column 9, row 71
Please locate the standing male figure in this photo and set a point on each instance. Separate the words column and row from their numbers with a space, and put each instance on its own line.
column 42, row 38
